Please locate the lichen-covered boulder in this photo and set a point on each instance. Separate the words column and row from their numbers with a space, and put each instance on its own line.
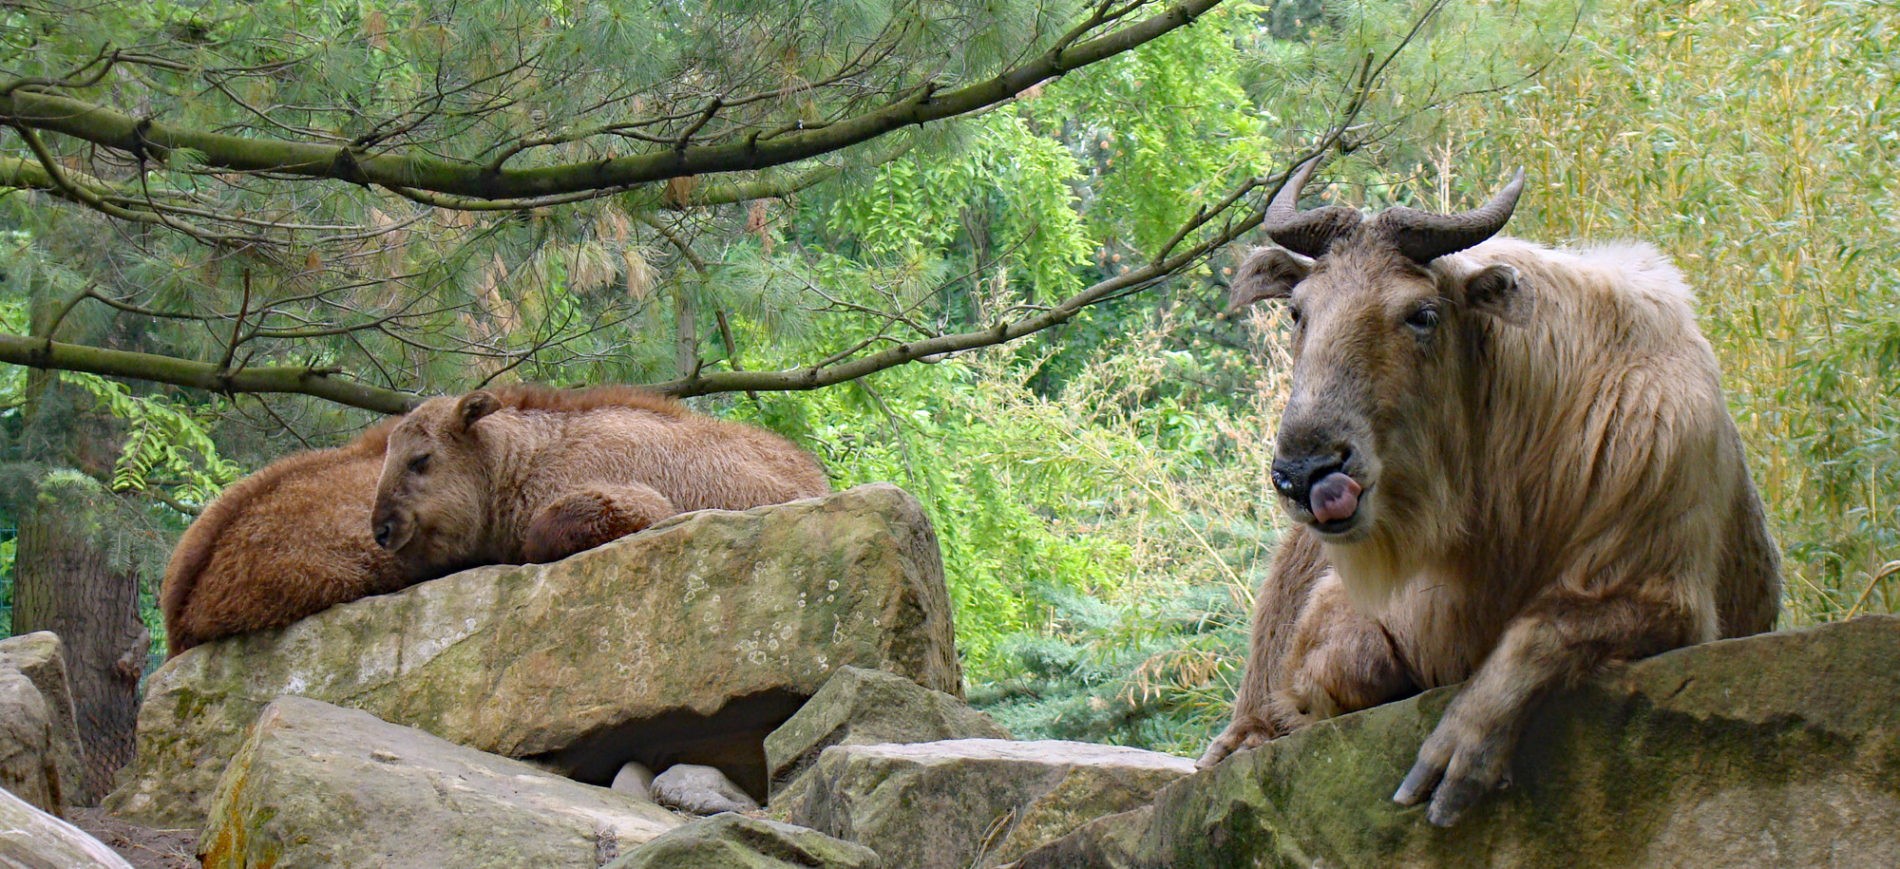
column 40, row 755
column 974, row 802
column 318, row 785
column 688, row 642
column 868, row 707
column 1776, row 750
column 33, row 839
column 731, row 841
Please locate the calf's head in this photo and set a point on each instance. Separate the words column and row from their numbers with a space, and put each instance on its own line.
column 1385, row 335
column 432, row 499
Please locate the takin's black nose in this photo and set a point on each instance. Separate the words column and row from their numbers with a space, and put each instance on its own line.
column 383, row 530
column 1294, row 477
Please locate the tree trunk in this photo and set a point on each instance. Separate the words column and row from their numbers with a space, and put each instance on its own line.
column 67, row 580
column 65, row 583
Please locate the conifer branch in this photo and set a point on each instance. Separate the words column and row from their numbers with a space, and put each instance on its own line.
column 28, row 108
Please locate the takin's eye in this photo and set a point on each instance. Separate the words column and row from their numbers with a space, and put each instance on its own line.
column 419, row 464
column 1423, row 320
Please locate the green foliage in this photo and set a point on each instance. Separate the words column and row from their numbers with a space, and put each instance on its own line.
column 1163, row 131
column 933, row 434
column 1020, row 179
column 12, row 377
column 7, row 547
column 1101, row 544
column 165, row 443
column 1147, row 675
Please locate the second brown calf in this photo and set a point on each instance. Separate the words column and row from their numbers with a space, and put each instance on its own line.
column 526, row 474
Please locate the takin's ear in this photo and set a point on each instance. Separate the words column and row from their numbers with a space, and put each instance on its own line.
column 1268, row 273
column 474, row 406
column 1494, row 290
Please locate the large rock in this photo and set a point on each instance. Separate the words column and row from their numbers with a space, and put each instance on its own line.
column 27, row 768
column 40, row 755
column 1777, row 750
column 685, row 643
column 319, row 785
column 974, row 802
column 33, row 839
column 732, row 841
column 867, row 707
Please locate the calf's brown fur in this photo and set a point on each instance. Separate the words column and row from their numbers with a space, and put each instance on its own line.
column 1508, row 464
column 527, row 474
column 281, row 544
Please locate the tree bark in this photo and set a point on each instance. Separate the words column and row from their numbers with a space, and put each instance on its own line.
column 64, row 582
column 685, row 330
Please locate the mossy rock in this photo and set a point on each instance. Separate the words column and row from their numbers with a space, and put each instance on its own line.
column 1776, row 750
column 686, row 643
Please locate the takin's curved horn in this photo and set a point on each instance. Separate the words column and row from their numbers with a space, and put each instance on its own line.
column 1308, row 233
column 1423, row 236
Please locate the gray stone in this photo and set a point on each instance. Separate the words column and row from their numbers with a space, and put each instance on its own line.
column 732, row 841
column 701, row 790
column 686, row 643
column 33, row 839
column 974, row 802
column 1776, row 750
column 40, row 657
column 319, row 785
column 869, row 707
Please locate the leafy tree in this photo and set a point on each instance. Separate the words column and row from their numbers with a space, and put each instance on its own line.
column 376, row 178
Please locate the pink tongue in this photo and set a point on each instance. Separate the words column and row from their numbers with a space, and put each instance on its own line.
column 1335, row 497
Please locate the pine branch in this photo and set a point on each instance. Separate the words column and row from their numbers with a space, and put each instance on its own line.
column 414, row 171
column 319, row 382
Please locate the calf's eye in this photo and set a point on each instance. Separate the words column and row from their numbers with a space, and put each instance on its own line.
column 1424, row 319
column 419, row 463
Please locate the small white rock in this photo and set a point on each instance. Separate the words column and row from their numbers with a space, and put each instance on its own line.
column 634, row 780
column 700, row 790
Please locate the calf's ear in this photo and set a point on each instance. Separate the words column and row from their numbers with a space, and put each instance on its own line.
column 1494, row 290
column 1268, row 273
column 474, row 406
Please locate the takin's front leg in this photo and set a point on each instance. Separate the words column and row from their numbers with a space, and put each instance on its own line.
column 1560, row 639
column 1340, row 661
column 1313, row 655
column 586, row 518
column 1297, row 565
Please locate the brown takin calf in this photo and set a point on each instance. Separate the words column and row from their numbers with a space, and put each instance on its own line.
column 526, row 474
column 285, row 542
column 1508, row 464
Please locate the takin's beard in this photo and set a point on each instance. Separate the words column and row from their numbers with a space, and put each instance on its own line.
column 1414, row 528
